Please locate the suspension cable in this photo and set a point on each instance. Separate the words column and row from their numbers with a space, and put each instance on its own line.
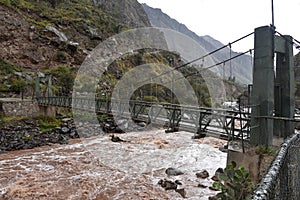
column 200, row 58
column 214, row 65
column 294, row 42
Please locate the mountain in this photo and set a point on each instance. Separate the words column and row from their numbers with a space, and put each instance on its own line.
column 241, row 67
column 55, row 36
column 37, row 34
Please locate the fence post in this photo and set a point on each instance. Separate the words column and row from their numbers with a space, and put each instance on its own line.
column 37, row 86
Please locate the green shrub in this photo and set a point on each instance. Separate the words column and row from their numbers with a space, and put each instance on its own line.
column 234, row 184
column 47, row 123
column 150, row 98
column 7, row 67
column 261, row 149
column 18, row 85
column 6, row 2
column 65, row 77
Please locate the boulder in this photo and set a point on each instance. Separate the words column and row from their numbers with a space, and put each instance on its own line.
column 61, row 35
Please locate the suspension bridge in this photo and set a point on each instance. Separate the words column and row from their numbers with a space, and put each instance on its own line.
column 267, row 94
column 269, row 111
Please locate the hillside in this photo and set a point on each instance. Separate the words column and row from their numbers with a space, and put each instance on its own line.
column 42, row 34
column 55, row 36
column 241, row 66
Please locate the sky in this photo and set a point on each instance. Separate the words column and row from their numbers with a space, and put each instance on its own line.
column 228, row 20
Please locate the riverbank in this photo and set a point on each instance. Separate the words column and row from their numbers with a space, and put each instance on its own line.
column 27, row 133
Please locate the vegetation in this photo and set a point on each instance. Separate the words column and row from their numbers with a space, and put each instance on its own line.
column 80, row 14
column 7, row 68
column 156, row 92
column 83, row 17
column 6, row 119
column 9, row 81
column 261, row 149
column 234, row 183
column 64, row 78
column 48, row 123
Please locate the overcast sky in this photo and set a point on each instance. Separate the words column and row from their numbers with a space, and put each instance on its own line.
column 227, row 20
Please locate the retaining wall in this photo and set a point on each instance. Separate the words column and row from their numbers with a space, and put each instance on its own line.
column 18, row 107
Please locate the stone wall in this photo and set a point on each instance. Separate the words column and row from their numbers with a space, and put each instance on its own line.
column 17, row 107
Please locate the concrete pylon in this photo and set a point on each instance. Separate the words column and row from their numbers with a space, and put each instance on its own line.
column 262, row 96
column 272, row 95
column 284, row 86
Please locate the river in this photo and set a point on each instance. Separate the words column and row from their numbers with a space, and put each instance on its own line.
column 97, row 168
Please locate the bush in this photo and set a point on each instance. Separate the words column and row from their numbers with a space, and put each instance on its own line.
column 65, row 77
column 261, row 149
column 18, row 85
column 7, row 68
column 47, row 123
column 234, row 183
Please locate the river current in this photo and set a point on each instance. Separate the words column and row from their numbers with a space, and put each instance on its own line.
column 97, row 168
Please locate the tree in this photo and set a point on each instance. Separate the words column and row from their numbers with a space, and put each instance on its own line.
column 65, row 77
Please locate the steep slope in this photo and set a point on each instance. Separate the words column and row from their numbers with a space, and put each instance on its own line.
column 55, row 36
column 45, row 33
column 130, row 12
column 241, row 67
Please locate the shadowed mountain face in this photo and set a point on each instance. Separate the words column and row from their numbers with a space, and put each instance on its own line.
column 241, row 67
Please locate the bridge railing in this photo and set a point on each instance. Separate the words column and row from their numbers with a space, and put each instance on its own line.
column 234, row 124
column 283, row 178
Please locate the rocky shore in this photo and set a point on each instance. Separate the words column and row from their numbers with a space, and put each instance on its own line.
column 26, row 133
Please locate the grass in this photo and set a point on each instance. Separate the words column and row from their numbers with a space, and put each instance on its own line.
column 7, row 68
column 261, row 149
column 47, row 123
column 12, row 118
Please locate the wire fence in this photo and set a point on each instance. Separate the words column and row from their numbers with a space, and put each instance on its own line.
column 283, row 178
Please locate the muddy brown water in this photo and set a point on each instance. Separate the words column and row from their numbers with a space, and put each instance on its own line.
column 97, row 168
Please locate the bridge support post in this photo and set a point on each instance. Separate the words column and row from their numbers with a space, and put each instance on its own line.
column 262, row 96
column 284, row 86
column 49, row 111
column 37, row 87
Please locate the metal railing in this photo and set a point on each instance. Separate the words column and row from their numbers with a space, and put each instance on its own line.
column 282, row 181
column 234, row 124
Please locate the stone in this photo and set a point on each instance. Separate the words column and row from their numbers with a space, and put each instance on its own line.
column 167, row 184
column 224, row 148
column 215, row 178
column 212, row 188
column 19, row 74
column 66, row 119
column 73, row 46
column 203, row 174
column 173, row 172
column 201, row 185
column 116, row 139
column 94, row 34
column 178, row 182
column 182, row 192
column 199, row 136
column 142, row 124
column 41, row 75
column 61, row 35
column 65, row 130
